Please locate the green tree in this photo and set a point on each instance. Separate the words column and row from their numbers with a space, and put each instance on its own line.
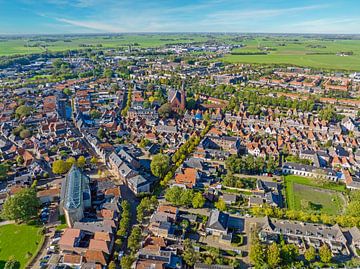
column 25, row 133
column 165, row 111
column 67, row 91
column 81, row 161
column 273, row 255
column 325, row 253
column 93, row 160
column 101, row 134
column 60, row 167
column 220, row 204
column 257, row 251
column 127, row 261
column 134, row 239
column 189, row 255
column 310, row 254
column 353, row 208
column 22, row 206
column 198, row 200
column 12, row 263
column 159, row 165
column 23, row 111
column 112, row 265
column 3, row 171
column 19, row 160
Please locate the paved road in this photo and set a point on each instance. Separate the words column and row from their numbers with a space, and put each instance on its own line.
column 43, row 250
column 2, row 223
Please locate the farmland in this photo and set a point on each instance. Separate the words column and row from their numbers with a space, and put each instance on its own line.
column 27, row 45
column 308, row 52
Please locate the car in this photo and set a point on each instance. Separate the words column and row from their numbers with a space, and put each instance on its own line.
column 121, row 254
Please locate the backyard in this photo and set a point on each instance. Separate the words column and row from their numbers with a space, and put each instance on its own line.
column 314, row 196
column 20, row 241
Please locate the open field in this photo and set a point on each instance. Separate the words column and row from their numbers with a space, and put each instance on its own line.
column 59, row 43
column 20, row 241
column 306, row 194
column 315, row 53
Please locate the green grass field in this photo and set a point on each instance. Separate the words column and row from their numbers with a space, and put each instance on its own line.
column 20, row 241
column 305, row 52
column 308, row 195
column 57, row 43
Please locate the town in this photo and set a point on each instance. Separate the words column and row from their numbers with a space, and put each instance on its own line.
column 169, row 157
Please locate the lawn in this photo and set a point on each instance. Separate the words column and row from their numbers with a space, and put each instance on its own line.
column 309, row 195
column 20, row 241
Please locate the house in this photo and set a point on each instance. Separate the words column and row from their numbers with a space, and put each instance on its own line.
column 48, row 195
column 298, row 232
column 217, row 223
column 139, row 184
column 309, row 171
column 188, row 177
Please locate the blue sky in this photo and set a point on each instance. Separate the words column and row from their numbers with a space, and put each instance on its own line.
column 103, row 16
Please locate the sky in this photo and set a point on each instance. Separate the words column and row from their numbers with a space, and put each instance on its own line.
column 119, row 16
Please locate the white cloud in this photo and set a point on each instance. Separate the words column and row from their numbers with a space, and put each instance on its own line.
column 94, row 25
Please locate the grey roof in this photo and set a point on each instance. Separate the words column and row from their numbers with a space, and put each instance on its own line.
column 115, row 159
column 355, row 235
column 218, row 220
column 94, row 226
column 138, row 181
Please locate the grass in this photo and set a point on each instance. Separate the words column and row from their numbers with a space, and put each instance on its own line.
column 20, row 241
column 310, row 195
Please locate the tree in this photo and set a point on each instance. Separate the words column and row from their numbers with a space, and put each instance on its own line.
column 60, row 167
column 134, row 239
column 190, row 103
column 67, row 91
column 189, row 255
column 25, row 133
column 112, row 265
column 3, row 171
column 353, row 209
column 165, row 111
column 20, row 160
column 12, row 263
column 22, row 206
column 23, row 111
column 101, row 134
column 81, row 161
column 93, row 160
column 70, row 162
column 273, row 255
column 257, row 252
column 159, row 165
column 310, row 254
column 198, row 200
column 325, row 253
column 220, row 204
column 127, row 261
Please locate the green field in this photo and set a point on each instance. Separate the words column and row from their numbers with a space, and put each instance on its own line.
column 315, row 53
column 58, row 43
column 308, row 195
column 20, row 241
